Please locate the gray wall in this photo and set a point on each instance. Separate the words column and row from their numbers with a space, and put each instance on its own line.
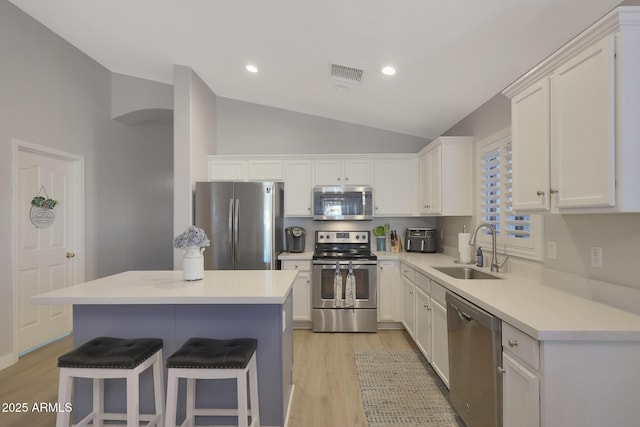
column 246, row 128
column 54, row 95
column 617, row 234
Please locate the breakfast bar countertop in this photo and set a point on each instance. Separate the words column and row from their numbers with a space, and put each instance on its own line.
column 168, row 287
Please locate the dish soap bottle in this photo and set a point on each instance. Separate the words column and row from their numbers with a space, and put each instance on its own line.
column 479, row 260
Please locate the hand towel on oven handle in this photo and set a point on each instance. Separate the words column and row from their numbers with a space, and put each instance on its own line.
column 350, row 288
column 337, row 286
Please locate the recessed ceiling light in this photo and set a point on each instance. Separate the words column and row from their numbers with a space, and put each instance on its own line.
column 252, row 68
column 388, row 70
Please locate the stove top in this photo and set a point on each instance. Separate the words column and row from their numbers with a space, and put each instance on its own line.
column 343, row 246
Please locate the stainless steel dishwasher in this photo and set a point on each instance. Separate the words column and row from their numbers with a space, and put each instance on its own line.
column 475, row 354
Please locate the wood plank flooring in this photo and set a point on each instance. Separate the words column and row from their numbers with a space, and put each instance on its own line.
column 327, row 391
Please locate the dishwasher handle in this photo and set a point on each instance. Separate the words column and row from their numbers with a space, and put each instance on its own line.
column 467, row 311
column 464, row 316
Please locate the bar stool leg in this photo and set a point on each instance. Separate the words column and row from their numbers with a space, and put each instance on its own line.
column 133, row 395
column 241, row 380
column 253, row 392
column 191, row 401
column 98, row 402
column 158, row 385
column 64, row 396
column 172, row 400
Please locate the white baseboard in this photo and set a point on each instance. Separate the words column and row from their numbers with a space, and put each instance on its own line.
column 8, row 360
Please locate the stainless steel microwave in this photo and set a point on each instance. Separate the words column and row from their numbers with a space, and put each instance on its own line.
column 342, row 203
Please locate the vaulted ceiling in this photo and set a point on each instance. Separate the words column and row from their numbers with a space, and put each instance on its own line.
column 450, row 55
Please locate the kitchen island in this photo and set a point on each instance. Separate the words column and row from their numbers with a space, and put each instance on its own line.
column 159, row 304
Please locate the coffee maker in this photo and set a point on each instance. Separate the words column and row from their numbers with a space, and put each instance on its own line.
column 295, row 237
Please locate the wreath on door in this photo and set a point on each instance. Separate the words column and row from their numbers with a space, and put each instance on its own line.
column 41, row 213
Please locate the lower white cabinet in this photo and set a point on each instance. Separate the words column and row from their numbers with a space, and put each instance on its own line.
column 439, row 338
column 301, row 289
column 521, row 394
column 408, row 299
column 389, row 292
column 423, row 322
column 520, row 378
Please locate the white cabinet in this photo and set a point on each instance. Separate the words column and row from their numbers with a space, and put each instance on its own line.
column 408, row 298
column 298, row 183
column 394, row 187
column 233, row 169
column 520, row 379
column 583, row 131
column 332, row 172
column 228, row 170
column 439, row 337
column 301, row 289
column 423, row 324
column 446, row 180
column 389, row 291
column 530, row 125
column 574, row 123
column 265, row 170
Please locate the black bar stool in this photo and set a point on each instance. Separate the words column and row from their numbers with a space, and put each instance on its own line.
column 106, row 357
column 211, row 359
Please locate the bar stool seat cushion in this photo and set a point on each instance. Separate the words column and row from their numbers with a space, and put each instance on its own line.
column 108, row 352
column 207, row 353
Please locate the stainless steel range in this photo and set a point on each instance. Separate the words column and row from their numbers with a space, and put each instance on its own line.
column 344, row 282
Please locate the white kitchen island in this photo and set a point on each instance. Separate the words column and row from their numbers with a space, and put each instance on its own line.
column 159, row 304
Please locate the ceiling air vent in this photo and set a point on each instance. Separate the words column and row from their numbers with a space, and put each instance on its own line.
column 346, row 74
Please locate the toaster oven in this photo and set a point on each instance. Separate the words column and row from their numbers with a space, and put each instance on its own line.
column 421, row 240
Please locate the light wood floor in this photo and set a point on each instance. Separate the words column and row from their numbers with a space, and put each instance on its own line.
column 326, row 384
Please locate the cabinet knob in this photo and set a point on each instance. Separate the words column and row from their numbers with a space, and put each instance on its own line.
column 70, row 254
column 513, row 343
column 338, row 179
column 381, row 268
column 553, row 191
column 501, row 370
column 346, row 178
column 540, row 193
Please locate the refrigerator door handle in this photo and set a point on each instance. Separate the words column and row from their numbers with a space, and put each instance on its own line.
column 230, row 222
column 236, row 231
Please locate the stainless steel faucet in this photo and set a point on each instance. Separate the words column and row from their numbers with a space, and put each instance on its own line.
column 495, row 267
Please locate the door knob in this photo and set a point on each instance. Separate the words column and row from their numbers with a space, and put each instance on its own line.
column 70, row 254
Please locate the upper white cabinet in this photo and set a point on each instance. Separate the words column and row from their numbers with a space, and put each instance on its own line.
column 446, row 181
column 574, row 123
column 234, row 169
column 298, row 183
column 228, row 170
column 583, row 131
column 333, row 172
column 394, row 187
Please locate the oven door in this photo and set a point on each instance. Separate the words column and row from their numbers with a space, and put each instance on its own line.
column 366, row 283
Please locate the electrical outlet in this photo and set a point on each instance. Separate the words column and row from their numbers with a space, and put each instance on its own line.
column 596, row 257
column 551, row 250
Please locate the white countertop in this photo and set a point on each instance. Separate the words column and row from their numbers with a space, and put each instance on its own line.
column 168, row 287
column 542, row 312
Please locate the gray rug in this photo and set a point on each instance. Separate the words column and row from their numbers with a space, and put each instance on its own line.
column 400, row 388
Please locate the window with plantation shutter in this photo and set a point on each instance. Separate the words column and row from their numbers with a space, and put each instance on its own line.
column 516, row 234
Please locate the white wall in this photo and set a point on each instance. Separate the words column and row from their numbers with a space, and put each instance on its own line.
column 54, row 95
column 246, row 128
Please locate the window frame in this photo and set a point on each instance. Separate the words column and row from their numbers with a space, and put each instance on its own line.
column 530, row 248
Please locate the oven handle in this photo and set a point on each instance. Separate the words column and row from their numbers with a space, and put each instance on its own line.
column 345, row 263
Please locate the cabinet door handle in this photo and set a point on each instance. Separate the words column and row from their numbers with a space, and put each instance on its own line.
column 513, row 343
column 501, row 370
column 540, row 193
column 553, row 191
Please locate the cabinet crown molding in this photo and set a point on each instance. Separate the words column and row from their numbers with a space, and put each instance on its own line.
column 622, row 18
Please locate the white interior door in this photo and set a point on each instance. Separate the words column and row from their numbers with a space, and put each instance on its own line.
column 45, row 258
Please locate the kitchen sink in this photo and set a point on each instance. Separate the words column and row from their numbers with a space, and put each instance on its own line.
column 466, row 273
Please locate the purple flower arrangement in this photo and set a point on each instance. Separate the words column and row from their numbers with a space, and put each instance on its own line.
column 192, row 237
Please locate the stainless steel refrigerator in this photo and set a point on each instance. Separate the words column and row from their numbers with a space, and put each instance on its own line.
column 244, row 221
